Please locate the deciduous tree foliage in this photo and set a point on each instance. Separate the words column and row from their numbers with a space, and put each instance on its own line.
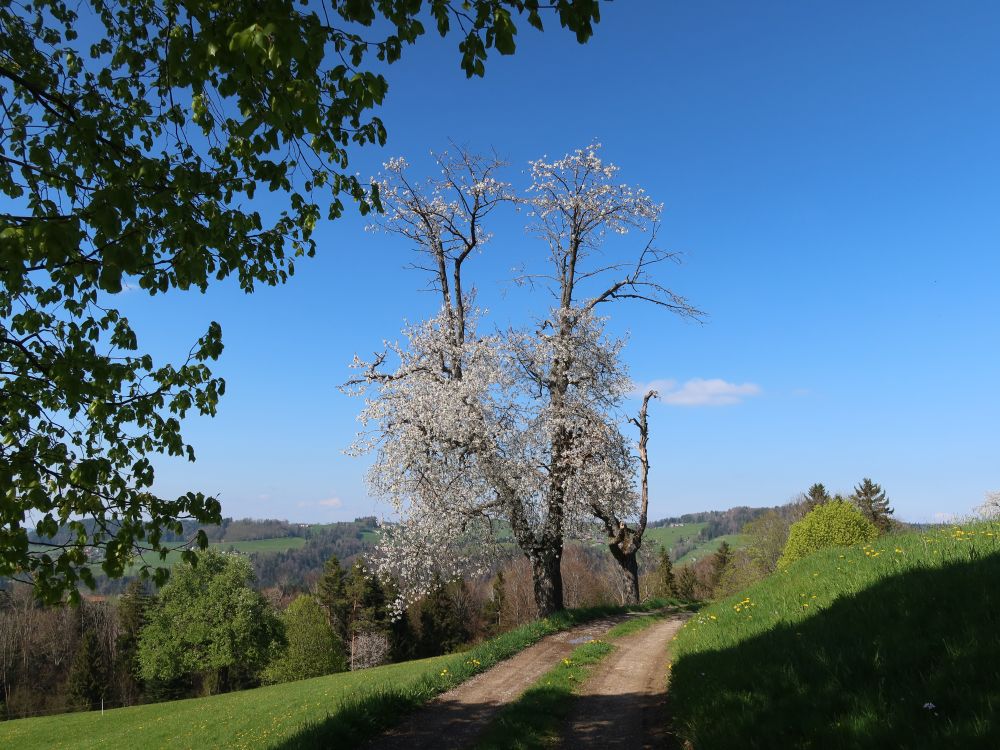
column 136, row 139
column 209, row 623
column 768, row 535
column 834, row 524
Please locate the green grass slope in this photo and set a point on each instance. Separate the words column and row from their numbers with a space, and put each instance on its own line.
column 668, row 536
column 340, row 710
column 261, row 718
column 894, row 644
column 706, row 549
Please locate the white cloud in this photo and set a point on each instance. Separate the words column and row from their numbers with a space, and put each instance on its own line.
column 699, row 391
column 331, row 502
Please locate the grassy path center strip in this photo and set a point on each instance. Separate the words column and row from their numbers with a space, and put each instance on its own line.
column 535, row 720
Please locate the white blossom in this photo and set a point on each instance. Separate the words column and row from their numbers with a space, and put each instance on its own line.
column 516, row 431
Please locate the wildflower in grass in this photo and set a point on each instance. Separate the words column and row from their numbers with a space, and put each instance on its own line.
column 567, row 662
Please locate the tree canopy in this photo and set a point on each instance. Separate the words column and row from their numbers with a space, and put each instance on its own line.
column 834, row 524
column 136, row 142
column 208, row 622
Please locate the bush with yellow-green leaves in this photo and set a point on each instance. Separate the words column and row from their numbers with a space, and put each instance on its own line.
column 833, row 524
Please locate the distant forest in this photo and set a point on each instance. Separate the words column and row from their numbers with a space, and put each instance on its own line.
column 296, row 570
column 290, row 570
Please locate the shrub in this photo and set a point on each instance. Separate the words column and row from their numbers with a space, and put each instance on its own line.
column 834, row 524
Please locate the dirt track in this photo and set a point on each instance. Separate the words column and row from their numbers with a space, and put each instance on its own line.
column 455, row 719
column 622, row 704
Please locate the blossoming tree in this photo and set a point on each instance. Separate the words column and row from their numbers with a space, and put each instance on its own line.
column 479, row 433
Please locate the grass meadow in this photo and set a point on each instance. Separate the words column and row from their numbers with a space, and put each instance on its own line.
column 668, row 536
column 893, row 644
column 340, row 710
column 706, row 549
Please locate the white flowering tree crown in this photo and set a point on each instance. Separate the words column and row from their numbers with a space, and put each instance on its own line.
column 481, row 436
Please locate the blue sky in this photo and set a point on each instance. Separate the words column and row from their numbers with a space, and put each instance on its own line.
column 831, row 172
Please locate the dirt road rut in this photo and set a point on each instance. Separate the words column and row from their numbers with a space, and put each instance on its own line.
column 455, row 719
column 623, row 703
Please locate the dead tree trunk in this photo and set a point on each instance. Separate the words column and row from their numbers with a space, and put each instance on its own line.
column 624, row 541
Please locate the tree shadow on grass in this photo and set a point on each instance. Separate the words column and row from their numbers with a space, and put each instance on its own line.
column 911, row 662
column 629, row 721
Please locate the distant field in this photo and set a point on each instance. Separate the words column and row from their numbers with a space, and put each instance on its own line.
column 708, row 548
column 668, row 536
column 280, row 544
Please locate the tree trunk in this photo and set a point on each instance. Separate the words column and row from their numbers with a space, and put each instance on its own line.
column 546, row 576
column 629, row 569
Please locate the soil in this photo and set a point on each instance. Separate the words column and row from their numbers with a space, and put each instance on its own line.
column 455, row 719
column 623, row 703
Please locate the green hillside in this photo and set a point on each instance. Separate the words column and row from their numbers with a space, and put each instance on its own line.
column 895, row 644
column 709, row 547
column 279, row 544
column 668, row 536
column 249, row 719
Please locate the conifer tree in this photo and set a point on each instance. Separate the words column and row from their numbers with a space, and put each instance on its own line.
column 312, row 648
column 88, row 677
column 403, row 637
column 131, row 609
column 365, row 601
column 442, row 626
column 664, row 583
column 870, row 499
column 331, row 594
column 720, row 561
column 493, row 611
column 817, row 495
